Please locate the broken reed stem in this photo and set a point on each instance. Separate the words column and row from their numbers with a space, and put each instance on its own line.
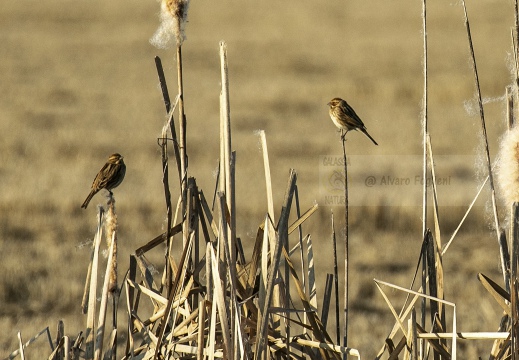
column 169, row 108
column 167, row 196
column 346, row 250
column 482, row 117
column 301, row 252
column 20, row 344
column 163, row 84
column 182, row 144
column 165, row 166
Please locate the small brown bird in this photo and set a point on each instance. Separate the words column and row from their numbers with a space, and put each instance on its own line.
column 345, row 118
column 109, row 177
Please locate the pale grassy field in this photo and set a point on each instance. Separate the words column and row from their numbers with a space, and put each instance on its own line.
column 78, row 82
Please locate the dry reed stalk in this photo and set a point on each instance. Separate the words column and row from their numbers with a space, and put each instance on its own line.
column 510, row 107
column 465, row 335
column 312, row 286
column 20, row 344
column 317, row 327
column 501, row 296
column 336, row 283
column 66, row 345
column 260, row 332
column 328, row 347
column 229, row 265
column 167, row 195
column 219, row 299
column 424, row 145
column 405, row 311
column 453, row 335
column 346, row 247
column 425, row 113
column 182, row 143
column 92, row 294
column 482, row 117
column 268, row 181
column 201, row 330
column 327, row 298
column 173, row 17
column 165, row 166
column 514, row 230
column 100, row 331
column 225, row 136
column 414, row 335
column 60, row 333
column 169, row 111
column 516, row 52
column 270, row 207
column 471, row 205
column 437, row 250
column 273, row 268
column 176, row 285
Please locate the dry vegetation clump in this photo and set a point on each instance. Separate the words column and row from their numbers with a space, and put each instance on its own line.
column 211, row 299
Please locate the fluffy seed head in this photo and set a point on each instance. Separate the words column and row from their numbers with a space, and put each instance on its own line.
column 173, row 18
column 507, row 171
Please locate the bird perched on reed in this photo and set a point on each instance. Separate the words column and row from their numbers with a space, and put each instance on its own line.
column 109, row 177
column 345, row 118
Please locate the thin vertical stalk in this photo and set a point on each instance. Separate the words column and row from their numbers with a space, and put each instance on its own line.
column 424, row 159
column 425, row 117
column 165, row 165
column 336, row 283
column 514, row 214
column 516, row 52
column 346, row 249
column 167, row 195
column 182, row 143
column 483, row 126
column 301, row 252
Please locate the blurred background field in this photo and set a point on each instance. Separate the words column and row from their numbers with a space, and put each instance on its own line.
column 78, row 82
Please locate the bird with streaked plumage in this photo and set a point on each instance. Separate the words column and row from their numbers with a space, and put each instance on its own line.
column 345, row 118
column 109, row 177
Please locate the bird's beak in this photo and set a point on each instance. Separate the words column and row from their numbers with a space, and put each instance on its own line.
column 328, row 104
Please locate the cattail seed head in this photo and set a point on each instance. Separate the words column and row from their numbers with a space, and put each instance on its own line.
column 111, row 237
column 173, row 18
column 508, row 167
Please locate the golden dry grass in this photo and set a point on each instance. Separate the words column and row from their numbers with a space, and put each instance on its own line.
column 78, row 83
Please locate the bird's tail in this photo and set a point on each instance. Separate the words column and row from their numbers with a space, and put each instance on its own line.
column 87, row 200
column 368, row 135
